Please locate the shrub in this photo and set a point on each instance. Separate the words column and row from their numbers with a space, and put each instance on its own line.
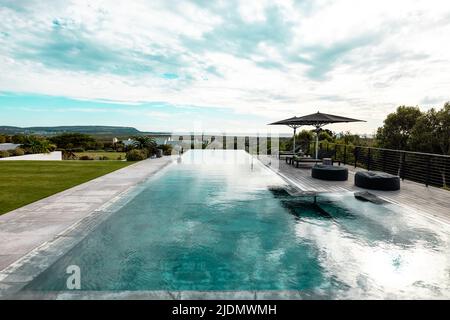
column 103, row 158
column 166, row 149
column 136, row 155
column 85, row 158
column 119, row 158
column 35, row 144
column 18, row 138
column 17, row 152
column 4, row 154
column 99, row 145
column 73, row 140
column 77, row 150
column 68, row 155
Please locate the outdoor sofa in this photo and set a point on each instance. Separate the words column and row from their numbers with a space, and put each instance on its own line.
column 298, row 152
column 297, row 159
column 303, row 159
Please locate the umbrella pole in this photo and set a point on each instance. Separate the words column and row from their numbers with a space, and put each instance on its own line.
column 317, row 142
column 293, row 151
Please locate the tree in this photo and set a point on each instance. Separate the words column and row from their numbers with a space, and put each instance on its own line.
column 2, row 139
column 34, row 144
column 145, row 143
column 431, row 133
column 443, row 131
column 73, row 140
column 18, row 138
column 351, row 139
column 99, row 145
column 302, row 140
column 424, row 137
column 328, row 131
column 396, row 131
column 324, row 135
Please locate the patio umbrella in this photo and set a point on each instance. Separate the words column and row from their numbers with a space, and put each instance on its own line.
column 317, row 120
column 291, row 122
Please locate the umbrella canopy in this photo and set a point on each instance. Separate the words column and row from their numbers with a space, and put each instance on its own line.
column 291, row 122
column 315, row 119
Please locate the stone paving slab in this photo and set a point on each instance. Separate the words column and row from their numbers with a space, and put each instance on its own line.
column 28, row 227
column 167, row 295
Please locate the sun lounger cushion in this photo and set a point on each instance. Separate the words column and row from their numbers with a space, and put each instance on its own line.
column 327, row 172
column 370, row 197
column 376, row 180
column 305, row 159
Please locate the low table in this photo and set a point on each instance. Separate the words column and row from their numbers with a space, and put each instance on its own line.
column 329, row 172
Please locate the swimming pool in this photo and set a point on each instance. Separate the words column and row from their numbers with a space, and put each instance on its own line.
column 220, row 220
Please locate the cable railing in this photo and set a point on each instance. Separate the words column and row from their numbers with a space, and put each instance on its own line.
column 426, row 168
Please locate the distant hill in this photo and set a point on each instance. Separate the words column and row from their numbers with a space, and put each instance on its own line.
column 92, row 130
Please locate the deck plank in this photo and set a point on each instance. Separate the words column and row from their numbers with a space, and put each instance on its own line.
column 430, row 200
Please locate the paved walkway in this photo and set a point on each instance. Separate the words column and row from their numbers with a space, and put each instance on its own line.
column 26, row 228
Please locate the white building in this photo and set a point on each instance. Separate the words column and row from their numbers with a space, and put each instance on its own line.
column 8, row 146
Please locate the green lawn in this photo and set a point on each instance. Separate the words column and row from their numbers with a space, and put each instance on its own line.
column 96, row 155
column 23, row 182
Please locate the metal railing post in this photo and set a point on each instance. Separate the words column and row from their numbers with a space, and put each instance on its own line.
column 356, row 151
column 257, row 145
column 335, row 154
column 427, row 180
column 402, row 166
column 368, row 159
column 345, row 154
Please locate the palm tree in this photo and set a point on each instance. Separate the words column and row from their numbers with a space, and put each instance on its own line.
column 145, row 143
column 36, row 145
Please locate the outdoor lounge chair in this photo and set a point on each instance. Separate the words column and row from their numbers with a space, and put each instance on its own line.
column 296, row 160
column 298, row 151
column 322, row 154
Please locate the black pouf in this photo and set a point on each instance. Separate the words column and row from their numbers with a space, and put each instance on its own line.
column 376, row 180
column 327, row 172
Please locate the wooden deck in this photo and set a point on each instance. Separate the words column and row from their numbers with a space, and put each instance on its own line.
column 431, row 201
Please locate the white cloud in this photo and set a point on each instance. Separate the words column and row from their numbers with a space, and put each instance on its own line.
column 349, row 57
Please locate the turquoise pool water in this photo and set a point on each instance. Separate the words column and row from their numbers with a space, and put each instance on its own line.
column 220, row 221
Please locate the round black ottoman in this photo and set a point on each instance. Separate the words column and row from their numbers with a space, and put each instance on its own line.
column 327, row 172
column 376, row 180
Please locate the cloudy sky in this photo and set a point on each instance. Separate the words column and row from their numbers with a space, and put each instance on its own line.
column 219, row 65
